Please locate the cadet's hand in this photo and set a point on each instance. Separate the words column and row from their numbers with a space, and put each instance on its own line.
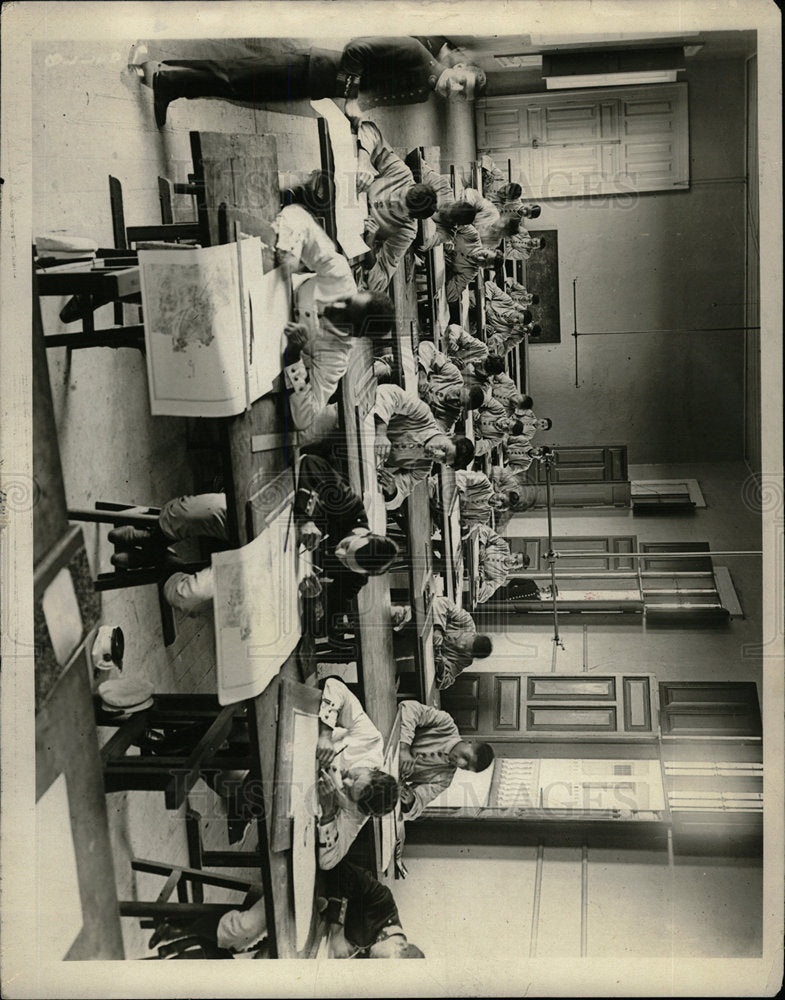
column 382, row 448
column 351, row 110
column 296, row 334
column 365, row 172
column 324, row 750
column 310, row 586
column 405, row 762
column 310, row 535
column 326, row 792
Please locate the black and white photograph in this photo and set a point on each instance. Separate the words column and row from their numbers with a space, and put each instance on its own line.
column 441, row 617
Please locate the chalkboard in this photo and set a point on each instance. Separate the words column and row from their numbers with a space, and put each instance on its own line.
column 540, row 274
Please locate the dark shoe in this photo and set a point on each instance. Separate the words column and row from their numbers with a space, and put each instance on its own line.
column 161, row 98
column 167, row 931
column 129, row 537
column 139, row 559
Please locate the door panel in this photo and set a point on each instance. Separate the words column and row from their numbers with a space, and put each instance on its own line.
column 709, row 709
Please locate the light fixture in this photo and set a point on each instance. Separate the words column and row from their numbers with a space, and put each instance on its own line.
column 612, row 68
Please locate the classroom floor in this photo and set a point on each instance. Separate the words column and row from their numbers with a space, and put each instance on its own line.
column 89, row 121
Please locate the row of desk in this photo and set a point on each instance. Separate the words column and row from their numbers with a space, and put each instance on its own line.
column 236, row 179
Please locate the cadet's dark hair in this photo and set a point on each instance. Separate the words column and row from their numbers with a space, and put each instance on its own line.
column 375, row 318
column 482, row 646
column 464, row 451
column 517, row 427
column 549, row 422
column 476, row 397
column 459, row 213
column 421, row 201
column 535, row 299
column 494, row 365
column 380, row 796
column 526, row 402
column 484, row 757
column 536, row 330
column 534, row 211
column 375, row 557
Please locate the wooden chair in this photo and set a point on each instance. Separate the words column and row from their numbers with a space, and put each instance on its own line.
column 107, row 512
column 188, row 884
column 174, row 768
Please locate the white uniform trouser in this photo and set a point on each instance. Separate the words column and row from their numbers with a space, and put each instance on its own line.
column 193, row 517
column 239, row 929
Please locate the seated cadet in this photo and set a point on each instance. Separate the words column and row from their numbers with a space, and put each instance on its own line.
column 330, row 311
column 500, row 344
column 501, row 195
column 532, row 424
column 431, row 751
column 456, row 643
column 356, row 786
column 521, row 246
column 441, row 386
column 323, row 505
column 502, row 313
column 522, row 589
column 477, row 497
column 409, row 441
column 496, row 562
column 450, row 213
column 519, row 452
column 255, row 71
column 363, row 922
column 481, row 373
column 492, row 425
column 505, row 390
column 464, row 261
column 395, row 203
column 462, row 348
column 520, row 294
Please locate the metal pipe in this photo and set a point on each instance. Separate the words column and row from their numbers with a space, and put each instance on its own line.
column 585, row 648
column 584, row 900
column 550, row 551
column 651, row 555
column 536, row 902
column 625, row 333
column 575, row 325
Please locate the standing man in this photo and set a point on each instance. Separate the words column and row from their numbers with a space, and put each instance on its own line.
column 387, row 70
column 431, row 751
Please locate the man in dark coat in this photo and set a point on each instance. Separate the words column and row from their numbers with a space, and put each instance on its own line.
column 388, row 70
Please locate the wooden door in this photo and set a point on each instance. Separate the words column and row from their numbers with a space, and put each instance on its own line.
column 612, row 140
column 705, row 709
column 507, row 706
column 581, row 476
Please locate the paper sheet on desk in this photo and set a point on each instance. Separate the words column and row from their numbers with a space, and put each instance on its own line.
column 350, row 209
column 255, row 607
column 58, row 902
column 302, row 807
column 193, row 331
column 267, row 308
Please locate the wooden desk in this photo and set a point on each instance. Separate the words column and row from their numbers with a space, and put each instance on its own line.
column 376, row 666
column 420, row 588
column 389, row 830
column 66, row 743
column 472, row 560
column 407, row 334
column 450, row 525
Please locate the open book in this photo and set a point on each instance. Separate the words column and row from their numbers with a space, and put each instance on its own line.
column 214, row 325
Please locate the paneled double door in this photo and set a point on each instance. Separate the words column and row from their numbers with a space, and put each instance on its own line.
column 510, row 706
column 614, row 140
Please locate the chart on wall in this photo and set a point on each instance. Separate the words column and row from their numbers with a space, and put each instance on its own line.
column 540, row 274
